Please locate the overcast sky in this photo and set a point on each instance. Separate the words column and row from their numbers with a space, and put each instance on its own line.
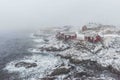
column 26, row 14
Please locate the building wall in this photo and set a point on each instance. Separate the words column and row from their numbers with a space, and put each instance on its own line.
column 66, row 36
column 93, row 39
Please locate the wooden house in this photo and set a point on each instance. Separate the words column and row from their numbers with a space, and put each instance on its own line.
column 93, row 38
column 66, row 35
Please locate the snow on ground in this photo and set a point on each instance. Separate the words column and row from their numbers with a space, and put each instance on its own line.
column 109, row 56
column 49, row 43
column 80, row 36
column 111, row 35
column 106, row 57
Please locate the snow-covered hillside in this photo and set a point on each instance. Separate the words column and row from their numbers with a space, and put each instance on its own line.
column 105, row 53
column 79, row 59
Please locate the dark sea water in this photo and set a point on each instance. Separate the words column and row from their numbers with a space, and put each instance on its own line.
column 12, row 46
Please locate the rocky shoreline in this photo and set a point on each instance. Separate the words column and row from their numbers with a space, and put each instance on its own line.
column 85, row 63
column 89, row 73
column 86, row 60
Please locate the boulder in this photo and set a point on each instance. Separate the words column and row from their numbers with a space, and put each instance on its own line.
column 25, row 64
column 113, row 70
column 48, row 78
column 55, row 49
column 60, row 71
column 75, row 61
column 84, row 73
column 64, row 56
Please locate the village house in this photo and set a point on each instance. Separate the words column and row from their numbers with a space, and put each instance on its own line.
column 90, row 37
column 66, row 35
column 93, row 38
column 91, row 33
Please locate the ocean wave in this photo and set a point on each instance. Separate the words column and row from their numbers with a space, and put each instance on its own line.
column 45, row 64
column 34, row 50
column 39, row 40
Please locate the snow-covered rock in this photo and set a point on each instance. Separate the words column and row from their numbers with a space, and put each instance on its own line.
column 105, row 53
column 54, row 46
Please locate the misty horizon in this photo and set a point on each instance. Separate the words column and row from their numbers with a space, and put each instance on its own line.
column 34, row 14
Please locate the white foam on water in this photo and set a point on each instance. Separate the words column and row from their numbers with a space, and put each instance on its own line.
column 34, row 50
column 39, row 40
column 45, row 64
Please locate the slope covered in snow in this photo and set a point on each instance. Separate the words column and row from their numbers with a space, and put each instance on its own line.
column 105, row 53
column 89, row 60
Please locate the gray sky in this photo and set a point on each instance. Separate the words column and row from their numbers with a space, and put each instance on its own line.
column 30, row 14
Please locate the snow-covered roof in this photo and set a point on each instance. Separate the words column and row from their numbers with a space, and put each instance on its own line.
column 80, row 36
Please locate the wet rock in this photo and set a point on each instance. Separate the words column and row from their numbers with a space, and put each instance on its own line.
column 93, row 65
column 61, row 70
column 113, row 70
column 48, row 78
column 75, row 61
column 84, row 73
column 25, row 64
column 46, row 40
column 63, row 56
column 53, row 49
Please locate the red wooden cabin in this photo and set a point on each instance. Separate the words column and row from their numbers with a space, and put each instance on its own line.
column 93, row 39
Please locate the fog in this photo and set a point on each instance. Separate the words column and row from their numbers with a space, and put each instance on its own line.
column 35, row 14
